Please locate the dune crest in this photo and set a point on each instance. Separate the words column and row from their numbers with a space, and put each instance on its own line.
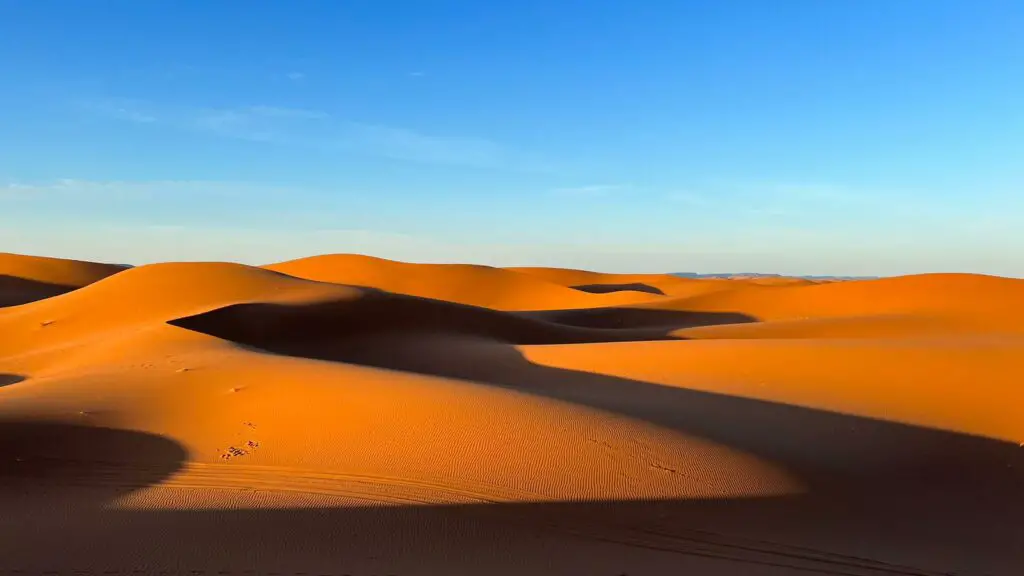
column 485, row 286
column 349, row 414
column 26, row 279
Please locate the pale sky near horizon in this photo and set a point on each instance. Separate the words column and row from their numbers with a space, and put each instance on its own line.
column 868, row 137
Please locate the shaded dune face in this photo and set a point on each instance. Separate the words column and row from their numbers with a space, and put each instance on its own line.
column 606, row 288
column 40, row 459
column 336, row 415
column 25, row 279
column 376, row 312
column 641, row 318
column 15, row 291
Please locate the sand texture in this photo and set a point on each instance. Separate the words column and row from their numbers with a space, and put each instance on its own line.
column 344, row 414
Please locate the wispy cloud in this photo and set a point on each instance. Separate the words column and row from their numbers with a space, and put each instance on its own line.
column 758, row 201
column 136, row 116
column 719, row 204
column 290, row 113
column 824, row 198
column 324, row 131
column 175, row 202
column 71, row 188
column 812, row 202
column 417, row 74
column 296, row 76
column 233, row 124
column 405, row 144
column 591, row 190
column 689, row 198
column 256, row 123
column 811, row 191
column 121, row 109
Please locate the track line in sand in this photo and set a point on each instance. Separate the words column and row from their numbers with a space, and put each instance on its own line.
column 759, row 552
column 372, row 488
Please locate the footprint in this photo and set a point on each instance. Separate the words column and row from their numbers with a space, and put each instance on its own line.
column 232, row 452
column 235, row 451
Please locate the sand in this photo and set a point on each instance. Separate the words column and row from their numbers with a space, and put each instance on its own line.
column 351, row 415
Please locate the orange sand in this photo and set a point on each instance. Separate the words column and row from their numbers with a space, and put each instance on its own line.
column 350, row 415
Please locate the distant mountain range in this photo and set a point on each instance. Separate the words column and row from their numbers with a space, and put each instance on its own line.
column 763, row 275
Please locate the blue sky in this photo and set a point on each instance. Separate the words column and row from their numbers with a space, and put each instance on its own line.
column 798, row 136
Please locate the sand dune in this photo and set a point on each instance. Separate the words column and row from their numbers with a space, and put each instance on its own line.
column 29, row 278
column 485, row 286
column 351, row 415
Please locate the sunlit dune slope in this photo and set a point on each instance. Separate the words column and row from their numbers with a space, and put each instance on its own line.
column 666, row 284
column 987, row 302
column 145, row 297
column 485, row 286
column 347, row 414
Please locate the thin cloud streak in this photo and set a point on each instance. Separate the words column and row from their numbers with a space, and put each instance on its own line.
column 591, row 190
column 404, row 144
column 99, row 190
column 321, row 130
column 121, row 109
column 790, row 198
column 255, row 123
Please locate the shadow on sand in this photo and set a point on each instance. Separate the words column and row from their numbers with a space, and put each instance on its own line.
column 377, row 312
column 665, row 321
column 609, row 288
column 882, row 498
column 15, row 291
column 8, row 379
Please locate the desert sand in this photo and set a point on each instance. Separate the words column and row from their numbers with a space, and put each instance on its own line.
column 344, row 414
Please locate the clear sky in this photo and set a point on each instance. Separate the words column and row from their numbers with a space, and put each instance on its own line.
column 790, row 136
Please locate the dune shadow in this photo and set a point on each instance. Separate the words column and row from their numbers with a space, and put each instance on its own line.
column 893, row 495
column 609, row 288
column 612, row 538
column 8, row 379
column 15, row 291
column 57, row 480
column 614, row 318
column 379, row 312
column 35, row 453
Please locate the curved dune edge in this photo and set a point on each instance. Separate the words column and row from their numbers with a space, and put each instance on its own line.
column 415, row 418
column 484, row 286
column 26, row 279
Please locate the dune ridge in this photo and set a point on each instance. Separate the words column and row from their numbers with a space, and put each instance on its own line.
column 485, row 286
column 349, row 414
column 28, row 278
